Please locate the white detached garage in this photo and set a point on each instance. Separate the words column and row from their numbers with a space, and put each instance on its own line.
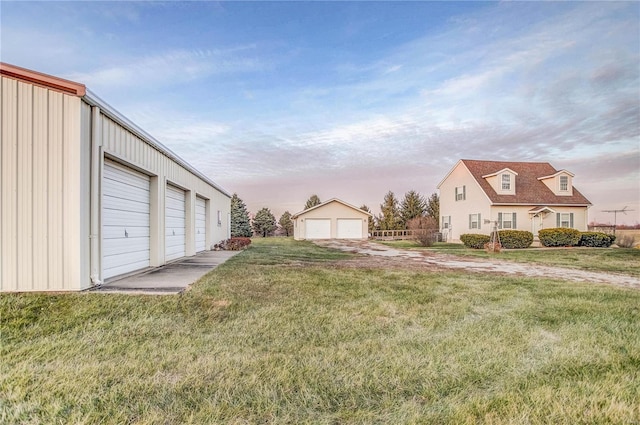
column 86, row 195
column 334, row 219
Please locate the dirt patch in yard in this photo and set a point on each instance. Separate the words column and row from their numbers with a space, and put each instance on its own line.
column 376, row 255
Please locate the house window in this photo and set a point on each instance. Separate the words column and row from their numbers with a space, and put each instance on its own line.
column 564, row 183
column 461, row 194
column 506, row 220
column 565, row 220
column 506, row 182
column 219, row 218
column 474, row 221
column 446, row 222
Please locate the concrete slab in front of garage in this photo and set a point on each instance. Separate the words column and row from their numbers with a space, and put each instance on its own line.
column 171, row 278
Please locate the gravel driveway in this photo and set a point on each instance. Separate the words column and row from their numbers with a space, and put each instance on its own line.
column 431, row 259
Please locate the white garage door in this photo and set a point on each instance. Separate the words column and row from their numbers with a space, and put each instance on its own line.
column 201, row 225
column 349, row 228
column 125, row 220
column 317, row 228
column 175, row 219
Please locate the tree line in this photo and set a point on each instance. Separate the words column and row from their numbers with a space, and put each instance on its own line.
column 413, row 211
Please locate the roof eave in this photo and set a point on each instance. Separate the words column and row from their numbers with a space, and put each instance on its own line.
column 44, row 80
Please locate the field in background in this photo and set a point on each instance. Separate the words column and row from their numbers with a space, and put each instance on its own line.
column 287, row 332
column 629, row 232
column 609, row 260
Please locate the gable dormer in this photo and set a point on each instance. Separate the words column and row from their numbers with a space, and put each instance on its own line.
column 503, row 181
column 560, row 183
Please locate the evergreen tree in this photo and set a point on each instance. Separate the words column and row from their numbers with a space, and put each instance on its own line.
column 413, row 205
column 264, row 222
column 433, row 207
column 372, row 223
column 286, row 223
column 312, row 202
column 240, row 223
column 389, row 218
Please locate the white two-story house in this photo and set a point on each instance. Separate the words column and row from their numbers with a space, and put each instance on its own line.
column 531, row 196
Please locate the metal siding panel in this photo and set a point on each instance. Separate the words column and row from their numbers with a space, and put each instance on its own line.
column 40, row 189
column 25, row 188
column 8, row 186
column 72, row 180
column 55, row 192
column 1, row 139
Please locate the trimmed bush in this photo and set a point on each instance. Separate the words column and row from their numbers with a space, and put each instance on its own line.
column 595, row 239
column 559, row 236
column 475, row 241
column 515, row 239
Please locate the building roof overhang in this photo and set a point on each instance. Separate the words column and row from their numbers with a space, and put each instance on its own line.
column 43, row 80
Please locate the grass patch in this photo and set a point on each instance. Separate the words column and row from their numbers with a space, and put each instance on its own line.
column 282, row 334
column 610, row 260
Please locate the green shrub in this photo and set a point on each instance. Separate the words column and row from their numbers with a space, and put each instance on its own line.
column 514, row 239
column 559, row 236
column 595, row 239
column 475, row 241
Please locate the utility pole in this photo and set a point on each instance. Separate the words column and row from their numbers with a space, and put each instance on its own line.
column 615, row 216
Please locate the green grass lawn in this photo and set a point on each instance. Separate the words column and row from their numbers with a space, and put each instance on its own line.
column 610, row 260
column 282, row 333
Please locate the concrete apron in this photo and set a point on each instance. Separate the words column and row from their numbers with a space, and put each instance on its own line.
column 171, row 278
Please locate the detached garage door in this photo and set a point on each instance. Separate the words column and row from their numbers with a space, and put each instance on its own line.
column 125, row 220
column 201, row 225
column 317, row 228
column 175, row 223
column 349, row 228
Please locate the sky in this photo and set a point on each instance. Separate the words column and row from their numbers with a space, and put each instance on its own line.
column 277, row 101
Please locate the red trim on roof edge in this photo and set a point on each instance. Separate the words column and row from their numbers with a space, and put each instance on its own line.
column 44, row 80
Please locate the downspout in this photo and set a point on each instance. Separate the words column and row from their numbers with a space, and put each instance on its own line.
column 96, row 144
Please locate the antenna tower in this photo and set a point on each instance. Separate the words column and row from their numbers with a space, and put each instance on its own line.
column 615, row 215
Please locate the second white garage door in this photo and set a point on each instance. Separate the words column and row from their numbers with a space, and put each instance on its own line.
column 317, row 228
column 175, row 224
column 201, row 225
column 125, row 220
column 349, row 228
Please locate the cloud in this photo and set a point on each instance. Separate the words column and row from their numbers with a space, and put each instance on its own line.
column 169, row 68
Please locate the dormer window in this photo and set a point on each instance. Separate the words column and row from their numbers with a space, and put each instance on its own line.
column 564, row 183
column 503, row 181
column 506, row 182
column 559, row 183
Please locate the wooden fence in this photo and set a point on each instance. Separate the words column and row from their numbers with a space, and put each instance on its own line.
column 392, row 235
